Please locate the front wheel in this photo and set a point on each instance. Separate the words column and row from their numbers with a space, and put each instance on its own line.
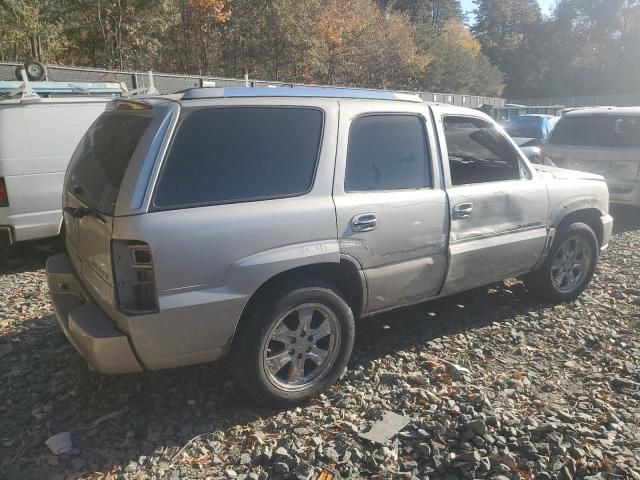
column 569, row 266
column 294, row 346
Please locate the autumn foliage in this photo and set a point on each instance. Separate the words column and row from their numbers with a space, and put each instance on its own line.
column 211, row 11
column 361, row 44
column 367, row 43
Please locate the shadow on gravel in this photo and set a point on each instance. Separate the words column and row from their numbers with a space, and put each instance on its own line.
column 114, row 419
column 28, row 256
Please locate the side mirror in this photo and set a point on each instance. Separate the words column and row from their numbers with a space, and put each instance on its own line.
column 534, row 154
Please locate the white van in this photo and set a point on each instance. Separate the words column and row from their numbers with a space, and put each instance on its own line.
column 37, row 139
column 605, row 141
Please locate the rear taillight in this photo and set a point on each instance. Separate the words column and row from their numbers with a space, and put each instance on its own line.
column 4, row 196
column 134, row 277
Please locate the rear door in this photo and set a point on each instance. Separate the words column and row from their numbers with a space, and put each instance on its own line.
column 92, row 184
column 498, row 207
column 391, row 207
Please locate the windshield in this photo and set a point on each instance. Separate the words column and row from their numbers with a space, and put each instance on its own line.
column 525, row 127
column 598, row 131
column 100, row 160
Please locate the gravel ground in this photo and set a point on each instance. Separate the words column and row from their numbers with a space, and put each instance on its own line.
column 495, row 385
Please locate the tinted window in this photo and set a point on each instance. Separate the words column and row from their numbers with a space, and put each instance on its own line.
column 387, row 152
column 100, row 160
column 479, row 153
column 222, row 155
column 598, row 131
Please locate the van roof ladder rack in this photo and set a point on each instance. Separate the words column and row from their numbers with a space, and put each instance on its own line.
column 148, row 90
column 27, row 94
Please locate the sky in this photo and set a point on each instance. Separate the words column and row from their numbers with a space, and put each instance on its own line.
column 546, row 5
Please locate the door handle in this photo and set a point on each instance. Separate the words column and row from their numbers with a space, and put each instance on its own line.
column 463, row 210
column 364, row 223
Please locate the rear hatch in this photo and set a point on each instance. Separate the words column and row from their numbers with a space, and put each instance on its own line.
column 606, row 144
column 92, row 183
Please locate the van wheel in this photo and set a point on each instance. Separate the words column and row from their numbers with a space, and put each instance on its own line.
column 569, row 266
column 294, row 345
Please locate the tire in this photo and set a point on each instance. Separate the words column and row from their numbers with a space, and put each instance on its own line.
column 36, row 71
column 575, row 279
column 279, row 383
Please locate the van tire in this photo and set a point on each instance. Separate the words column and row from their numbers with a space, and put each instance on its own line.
column 255, row 342
column 541, row 281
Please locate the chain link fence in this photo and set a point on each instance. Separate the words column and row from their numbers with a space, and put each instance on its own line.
column 627, row 100
column 170, row 83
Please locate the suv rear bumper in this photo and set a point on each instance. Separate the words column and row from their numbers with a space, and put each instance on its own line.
column 87, row 327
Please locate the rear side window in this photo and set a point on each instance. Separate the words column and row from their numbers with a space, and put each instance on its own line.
column 598, row 131
column 96, row 169
column 226, row 155
column 387, row 152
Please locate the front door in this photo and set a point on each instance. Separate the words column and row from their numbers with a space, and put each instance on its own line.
column 498, row 207
column 390, row 204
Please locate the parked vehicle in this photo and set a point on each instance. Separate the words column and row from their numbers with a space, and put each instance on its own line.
column 509, row 111
column 260, row 224
column 37, row 137
column 531, row 132
column 605, row 141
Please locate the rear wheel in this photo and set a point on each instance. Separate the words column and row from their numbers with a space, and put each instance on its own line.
column 569, row 266
column 294, row 346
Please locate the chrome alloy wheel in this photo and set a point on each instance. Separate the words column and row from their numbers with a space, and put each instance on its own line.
column 301, row 347
column 570, row 264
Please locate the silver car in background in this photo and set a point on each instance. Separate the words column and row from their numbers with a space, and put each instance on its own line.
column 605, row 141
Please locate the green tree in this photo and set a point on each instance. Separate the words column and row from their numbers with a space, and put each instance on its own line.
column 26, row 31
column 506, row 29
column 458, row 63
column 272, row 39
column 594, row 48
column 433, row 12
column 361, row 45
column 119, row 34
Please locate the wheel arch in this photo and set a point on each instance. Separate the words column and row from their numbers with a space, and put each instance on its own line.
column 346, row 275
column 589, row 216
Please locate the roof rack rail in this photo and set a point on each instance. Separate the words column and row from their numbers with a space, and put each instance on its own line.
column 297, row 92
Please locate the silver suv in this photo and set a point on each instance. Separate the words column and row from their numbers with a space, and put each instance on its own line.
column 602, row 140
column 261, row 224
